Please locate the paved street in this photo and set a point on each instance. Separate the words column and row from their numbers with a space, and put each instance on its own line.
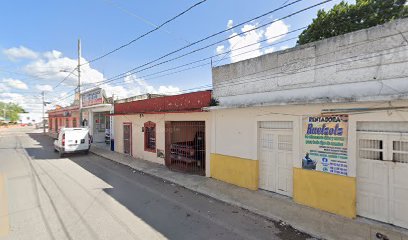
column 89, row 197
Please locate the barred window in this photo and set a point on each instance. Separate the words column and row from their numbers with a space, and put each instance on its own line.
column 150, row 136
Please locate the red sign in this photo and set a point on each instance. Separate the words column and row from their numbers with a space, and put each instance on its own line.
column 92, row 97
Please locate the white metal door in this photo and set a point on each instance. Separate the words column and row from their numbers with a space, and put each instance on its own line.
column 266, row 160
column 275, row 161
column 382, row 177
column 398, row 180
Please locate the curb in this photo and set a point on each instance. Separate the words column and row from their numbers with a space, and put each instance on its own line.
column 323, row 225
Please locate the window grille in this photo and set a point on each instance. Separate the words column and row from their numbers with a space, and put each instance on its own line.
column 150, row 136
column 285, row 142
column 267, row 141
column 400, row 151
column 276, row 124
column 185, row 146
column 371, row 149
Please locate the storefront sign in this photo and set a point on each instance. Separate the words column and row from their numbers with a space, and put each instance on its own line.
column 93, row 97
column 325, row 144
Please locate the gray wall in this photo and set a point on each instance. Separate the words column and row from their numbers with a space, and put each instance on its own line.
column 364, row 65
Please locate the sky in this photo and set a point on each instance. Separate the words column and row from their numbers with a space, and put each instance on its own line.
column 38, row 44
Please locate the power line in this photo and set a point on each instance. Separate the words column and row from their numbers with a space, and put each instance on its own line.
column 201, row 40
column 219, row 54
column 65, row 78
column 343, row 63
column 344, row 48
column 132, row 71
column 325, row 65
column 226, row 54
column 215, row 34
column 147, row 33
column 142, row 19
column 319, row 66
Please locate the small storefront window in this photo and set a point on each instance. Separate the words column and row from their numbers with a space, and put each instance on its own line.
column 101, row 122
column 66, row 122
column 150, row 136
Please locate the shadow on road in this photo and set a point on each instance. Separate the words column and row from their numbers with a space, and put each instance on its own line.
column 45, row 149
column 173, row 211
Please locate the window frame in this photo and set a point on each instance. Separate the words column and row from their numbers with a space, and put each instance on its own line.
column 149, row 125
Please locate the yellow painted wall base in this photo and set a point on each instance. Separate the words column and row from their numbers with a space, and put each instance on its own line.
column 329, row 192
column 238, row 171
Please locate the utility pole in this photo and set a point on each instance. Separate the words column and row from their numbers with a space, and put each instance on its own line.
column 79, row 82
column 43, row 117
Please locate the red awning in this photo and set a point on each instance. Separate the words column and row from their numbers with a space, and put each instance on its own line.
column 187, row 111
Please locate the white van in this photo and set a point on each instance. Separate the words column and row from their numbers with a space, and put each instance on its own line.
column 73, row 140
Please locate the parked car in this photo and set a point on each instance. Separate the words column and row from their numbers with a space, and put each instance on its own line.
column 72, row 140
column 189, row 152
column 40, row 125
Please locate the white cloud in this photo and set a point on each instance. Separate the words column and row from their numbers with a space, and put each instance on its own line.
column 220, row 49
column 284, row 47
column 30, row 104
column 45, row 87
column 14, row 83
column 45, row 66
column 21, row 52
column 137, row 86
column 248, row 44
column 54, row 54
column 276, row 31
column 250, row 38
column 269, row 50
column 230, row 24
column 3, row 87
column 55, row 67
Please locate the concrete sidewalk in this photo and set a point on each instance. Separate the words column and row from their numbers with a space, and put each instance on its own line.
column 312, row 221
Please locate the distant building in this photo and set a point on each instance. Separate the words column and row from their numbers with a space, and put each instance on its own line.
column 26, row 118
column 62, row 117
column 96, row 107
column 170, row 130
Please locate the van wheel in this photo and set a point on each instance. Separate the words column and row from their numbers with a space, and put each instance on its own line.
column 61, row 154
column 55, row 150
column 87, row 152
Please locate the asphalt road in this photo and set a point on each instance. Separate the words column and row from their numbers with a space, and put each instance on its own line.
column 81, row 196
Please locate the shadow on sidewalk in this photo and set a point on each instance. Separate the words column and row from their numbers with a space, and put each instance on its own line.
column 170, row 209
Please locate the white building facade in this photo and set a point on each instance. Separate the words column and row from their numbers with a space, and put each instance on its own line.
column 324, row 123
column 96, row 110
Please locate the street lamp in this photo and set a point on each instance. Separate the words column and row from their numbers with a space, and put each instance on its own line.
column 67, row 71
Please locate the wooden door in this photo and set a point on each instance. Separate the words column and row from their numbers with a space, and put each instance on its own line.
column 127, row 138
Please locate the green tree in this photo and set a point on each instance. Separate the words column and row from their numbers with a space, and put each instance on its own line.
column 344, row 18
column 11, row 110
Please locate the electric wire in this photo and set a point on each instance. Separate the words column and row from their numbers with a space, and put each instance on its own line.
column 145, row 34
column 132, row 71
